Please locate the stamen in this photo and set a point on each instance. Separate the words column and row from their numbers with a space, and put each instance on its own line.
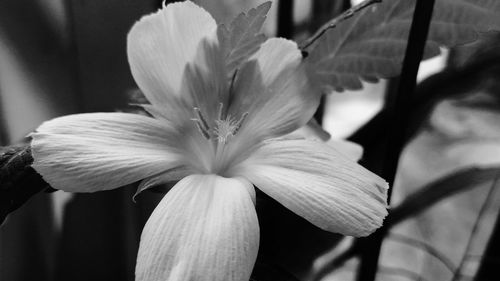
column 197, row 111
column 240, row 122
column 220, row 112
column 203, row 132
column 224, row 130
column 233, row 79
column 225, row 127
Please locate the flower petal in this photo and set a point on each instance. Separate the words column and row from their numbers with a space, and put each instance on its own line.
column 101, row 151
column 274, row 89
column 205, row 228
column 313, row 131
column 320, row 184
column 349, row 149
column 205, row 81
column 159, row 48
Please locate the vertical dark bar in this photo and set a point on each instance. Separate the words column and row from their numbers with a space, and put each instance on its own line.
column 37, row 47
column 73, row 57
column 103, row 227
column 399, row 115
column 285, row 19
column 4, row 136
column 100, row 30
column 490, row 261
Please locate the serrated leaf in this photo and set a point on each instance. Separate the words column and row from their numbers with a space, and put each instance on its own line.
column 371, row 43
column 243, row 37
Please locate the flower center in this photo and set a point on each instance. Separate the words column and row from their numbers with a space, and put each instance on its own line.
column 224, row 129
column 218, row 155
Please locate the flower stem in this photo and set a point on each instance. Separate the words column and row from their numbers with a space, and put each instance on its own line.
column 400, row 116
column 285, row 19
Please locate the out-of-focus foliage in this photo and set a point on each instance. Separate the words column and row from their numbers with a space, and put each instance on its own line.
column 36, row 81
column 454, row 160
column 371, row 44
column 461, row 146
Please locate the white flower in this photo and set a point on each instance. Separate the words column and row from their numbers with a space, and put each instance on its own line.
column 219, row 137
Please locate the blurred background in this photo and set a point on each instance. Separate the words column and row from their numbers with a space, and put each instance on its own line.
column 61, row 57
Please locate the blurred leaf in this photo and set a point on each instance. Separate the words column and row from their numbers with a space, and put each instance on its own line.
column 452, row 83
column 427, row 196
column 243, row 38
column 18, row 180
column 371, row 43
column 434, row 192
column 490, row 259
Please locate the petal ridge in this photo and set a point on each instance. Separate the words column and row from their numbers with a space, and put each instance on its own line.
column 205, row 228
column 320, row 184
column 274, row 88
column 161, row 45
column 100, row 151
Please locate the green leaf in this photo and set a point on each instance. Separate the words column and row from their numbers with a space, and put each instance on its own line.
column 371, row 44
column 243, row 37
